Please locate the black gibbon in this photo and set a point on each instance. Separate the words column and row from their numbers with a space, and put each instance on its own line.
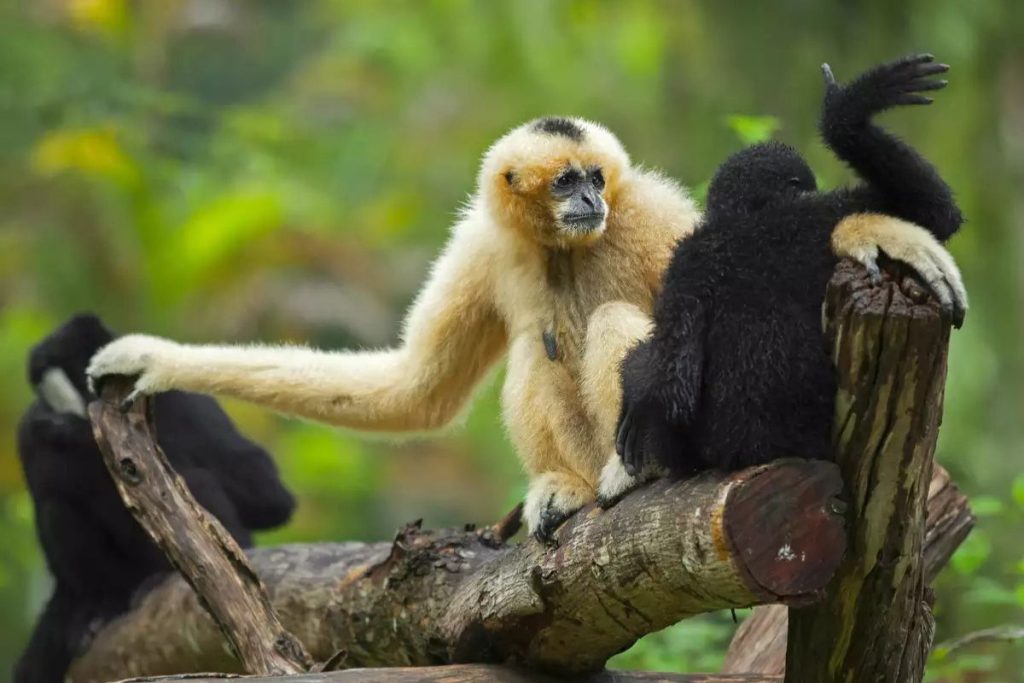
column 737, row 370
column 97, row 553
column 554, row 264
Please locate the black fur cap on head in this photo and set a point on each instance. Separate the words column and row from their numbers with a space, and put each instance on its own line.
column 756, row 175
column 559, row 126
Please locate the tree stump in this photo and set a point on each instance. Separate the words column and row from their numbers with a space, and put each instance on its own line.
column 889, row 347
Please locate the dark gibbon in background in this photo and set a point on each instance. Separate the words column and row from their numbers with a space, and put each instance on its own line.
column 737, row 370
column 97, row 553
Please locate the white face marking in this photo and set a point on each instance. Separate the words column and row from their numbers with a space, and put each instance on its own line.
column 59, row 393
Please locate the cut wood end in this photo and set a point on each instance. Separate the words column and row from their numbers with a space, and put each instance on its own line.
column 785, row 526
column 898, row 294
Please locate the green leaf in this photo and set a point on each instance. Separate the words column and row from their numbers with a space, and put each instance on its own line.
column 986, row 506
column 972, row 554
column 753, row 129
column 1018, row 490
column 988, row 592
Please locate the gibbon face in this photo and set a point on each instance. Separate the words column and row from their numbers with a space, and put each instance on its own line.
column 553, row 180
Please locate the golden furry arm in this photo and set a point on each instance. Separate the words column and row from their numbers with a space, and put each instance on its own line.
column 862, row 236
column 452, row 335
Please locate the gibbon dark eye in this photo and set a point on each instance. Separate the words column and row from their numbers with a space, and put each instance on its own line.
column 794, row 182
column 567, row 180
column 597, row 178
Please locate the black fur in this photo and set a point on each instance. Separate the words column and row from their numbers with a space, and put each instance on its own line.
column 557, row 125
column 736, row 372
column 97, row 553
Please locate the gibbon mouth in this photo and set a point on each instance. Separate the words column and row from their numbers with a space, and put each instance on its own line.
column 584, row 221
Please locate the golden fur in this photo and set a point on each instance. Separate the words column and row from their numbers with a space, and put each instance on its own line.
column 510, row 273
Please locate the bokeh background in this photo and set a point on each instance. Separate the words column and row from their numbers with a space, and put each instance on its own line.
column 271, row 170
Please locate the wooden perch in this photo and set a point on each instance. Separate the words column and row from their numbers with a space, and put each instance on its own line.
column 759, row 645
column 471, row 673
column 889, row 348
column 666, row 552
column 465, row 599
column 194, row 542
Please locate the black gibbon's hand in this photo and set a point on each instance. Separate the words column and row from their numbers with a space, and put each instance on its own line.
column 644, row 434
column 644, row 438
column 894, row 84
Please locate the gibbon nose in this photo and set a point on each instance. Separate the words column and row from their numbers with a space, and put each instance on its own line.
column 589, row 201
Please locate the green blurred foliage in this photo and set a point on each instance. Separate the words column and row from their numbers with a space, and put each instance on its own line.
column 263, row 170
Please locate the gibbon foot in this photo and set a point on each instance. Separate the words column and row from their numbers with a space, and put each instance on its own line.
column 553, row 497
column 615, row 482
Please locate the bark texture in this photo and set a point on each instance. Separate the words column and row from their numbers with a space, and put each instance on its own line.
column 759, row 645
column 474, row 673
column 667, row 551
column 889, row 347
column 195, row 543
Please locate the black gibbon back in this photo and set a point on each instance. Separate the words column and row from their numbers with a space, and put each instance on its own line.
column 736, row 372
column 97, row 553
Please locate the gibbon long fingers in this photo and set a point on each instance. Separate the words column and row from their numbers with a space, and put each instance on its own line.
column 861, row 237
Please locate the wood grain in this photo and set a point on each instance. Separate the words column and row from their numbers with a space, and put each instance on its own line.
column 194, row 541
column 665, row 552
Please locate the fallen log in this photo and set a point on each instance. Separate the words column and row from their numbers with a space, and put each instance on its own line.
column 667, row 551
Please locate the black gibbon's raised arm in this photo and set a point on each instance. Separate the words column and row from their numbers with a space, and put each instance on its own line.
column 98, row 554
column 554, row 263
column 736, row 372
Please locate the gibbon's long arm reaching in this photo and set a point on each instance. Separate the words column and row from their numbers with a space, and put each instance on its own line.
column 452, row 335
column 555, row 262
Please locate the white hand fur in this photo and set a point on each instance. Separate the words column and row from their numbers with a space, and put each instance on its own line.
column 149, row 358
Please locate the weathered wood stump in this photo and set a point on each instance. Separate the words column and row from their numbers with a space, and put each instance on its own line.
column 889, row 347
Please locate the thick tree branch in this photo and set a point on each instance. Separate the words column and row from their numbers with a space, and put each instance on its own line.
column 477, row 673
column 194, row 542
column 666, row 552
